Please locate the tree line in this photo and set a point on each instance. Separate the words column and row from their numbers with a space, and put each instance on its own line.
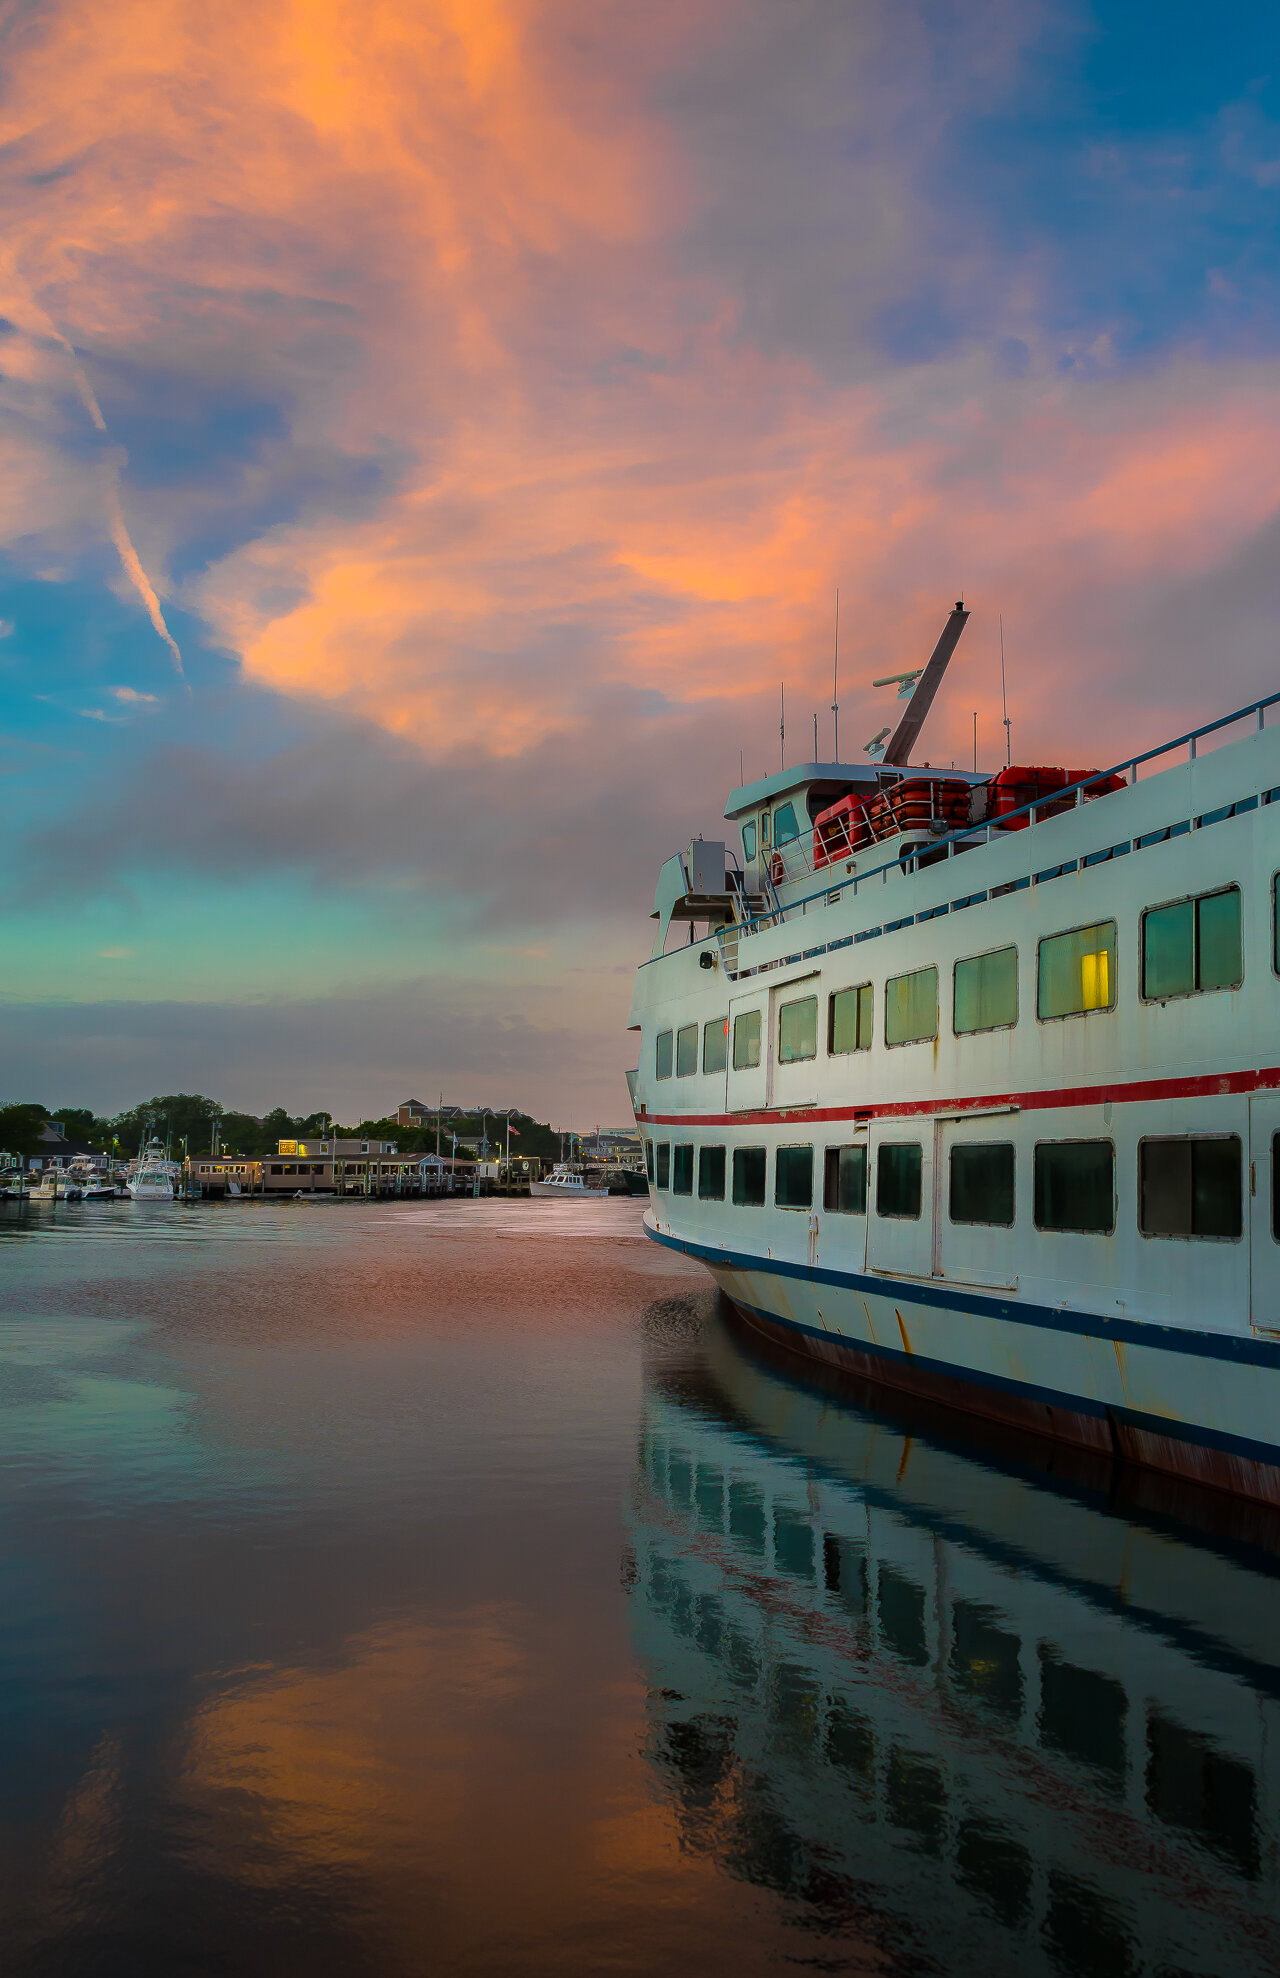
column 191, row 1117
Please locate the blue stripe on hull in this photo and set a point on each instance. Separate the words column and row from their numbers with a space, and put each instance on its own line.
column 1094, row 1327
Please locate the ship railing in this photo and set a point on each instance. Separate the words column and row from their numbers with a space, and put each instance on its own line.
column 1042, row 810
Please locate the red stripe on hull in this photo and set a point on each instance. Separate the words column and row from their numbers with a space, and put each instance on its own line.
column 1207, row 1085
column 1109, row 1436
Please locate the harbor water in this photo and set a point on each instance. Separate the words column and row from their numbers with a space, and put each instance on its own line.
column 448, row 1587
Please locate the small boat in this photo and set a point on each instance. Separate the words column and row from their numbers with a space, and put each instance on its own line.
column 570, row 1184
column 95, row 1186
column 56, row 1186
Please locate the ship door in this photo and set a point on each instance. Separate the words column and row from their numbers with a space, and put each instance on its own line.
column 1264, row 1212
column 978, row 1209
column 748, row 1052
column 900, row 1188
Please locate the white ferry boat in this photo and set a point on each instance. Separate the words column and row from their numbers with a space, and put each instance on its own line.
column 971, row 1083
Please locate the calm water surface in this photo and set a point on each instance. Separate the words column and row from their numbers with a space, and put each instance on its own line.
column 440, row 1588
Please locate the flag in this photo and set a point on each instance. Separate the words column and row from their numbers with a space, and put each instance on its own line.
column 513, row 1130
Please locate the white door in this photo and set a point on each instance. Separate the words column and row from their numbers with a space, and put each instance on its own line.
column 1261, row 1203
column 794, row 1040
column 982, row 1199
column 749, row 1052
column 900, row 1197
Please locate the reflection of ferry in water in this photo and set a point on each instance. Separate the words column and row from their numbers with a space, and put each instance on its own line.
column 971, row 1084
column 977, row 1718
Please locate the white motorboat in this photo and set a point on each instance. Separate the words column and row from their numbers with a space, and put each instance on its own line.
column 570, row 1184
column 56, row 1185
column 95, row 1186
column 152, row 1179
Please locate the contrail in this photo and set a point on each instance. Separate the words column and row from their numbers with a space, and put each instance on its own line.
column 129, row 559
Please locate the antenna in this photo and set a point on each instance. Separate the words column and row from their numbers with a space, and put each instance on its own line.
column 815, row 738
column 835, row 687
column 782, row 726
column 1004, row 701
column 742, row 774
column 975, row 741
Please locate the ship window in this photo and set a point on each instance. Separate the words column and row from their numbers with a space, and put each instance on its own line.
column 1190, row 1187
column 682, row 1169
column 1075, row 1186
column 1192, row 946
column 849, row 1019
column 662, row 1056
column 764, row 830
column 746, row 1040
column 911, row 1007
column 687, row 1050
column 785, row 828
column 986, row 992
column 793, row 1178
column 748, row 1177
column 798, row 1030
column 648, row 1160
column 1078, row 971
column 748, row 842
column 844, row 1181
column 982, row 1183
column 711, row 1174
column 899, row 1166
column 715, row 1044
column 664, row 1164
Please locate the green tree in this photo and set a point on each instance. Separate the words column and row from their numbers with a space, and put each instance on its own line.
column 172, row 1116
column 20, row 1129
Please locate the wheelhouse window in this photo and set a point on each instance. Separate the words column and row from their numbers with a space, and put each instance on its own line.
column 1190, row 1187
column 798, row 1030
column 1077, row 971
column 746, row 1040
column 711, row 1174
column 844, row 1181
column 687, row 1050
column 715, row 1044
column 748, row 1177
column 664, row 1164
column 748, row 842
column 1075, row 1186
column 1192, row 946
column 982, row 1183
column 986, row 992
column 682, row 1168
column 899, row 1171
column 793, row 1178
column 849, row 1019
column 662, row 1054
column 785, row 828
column 911, row 1007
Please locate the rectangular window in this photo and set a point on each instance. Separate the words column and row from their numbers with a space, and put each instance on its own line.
column 982, row 1183
column 986, row 992
column 1190, row 1187
column 1075, row 1186
column 844, row 1181
column 748, row 1177
column 711, row 1174
column 746, row 1040
column 648, row 1160
column 664, row 1164
column 911, row 1007
column 793, row 1177
column 849, row 1020
column 662, row 1055
column 785, row 828
column 798, row 1030
column 687, row 1050
column 682, row 1168
column 1077, row 971
column 748, row 842
column 1192, row 945
column 715, row 1045
column 899, row 1167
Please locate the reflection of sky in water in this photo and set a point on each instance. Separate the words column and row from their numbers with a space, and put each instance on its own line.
column 314, row 1651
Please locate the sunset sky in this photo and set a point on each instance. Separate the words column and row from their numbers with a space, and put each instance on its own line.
column 433, row 430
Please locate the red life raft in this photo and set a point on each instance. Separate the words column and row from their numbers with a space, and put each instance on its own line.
column 1020, row 785
column 924, row 804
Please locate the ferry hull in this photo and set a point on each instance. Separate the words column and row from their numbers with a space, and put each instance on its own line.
column 1164, row 1399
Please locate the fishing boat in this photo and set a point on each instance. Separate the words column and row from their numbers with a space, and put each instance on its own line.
column 968, row 1082
column 569, row 1184
column 56, row 1185
column 95, row 1186
column 153, row 1177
